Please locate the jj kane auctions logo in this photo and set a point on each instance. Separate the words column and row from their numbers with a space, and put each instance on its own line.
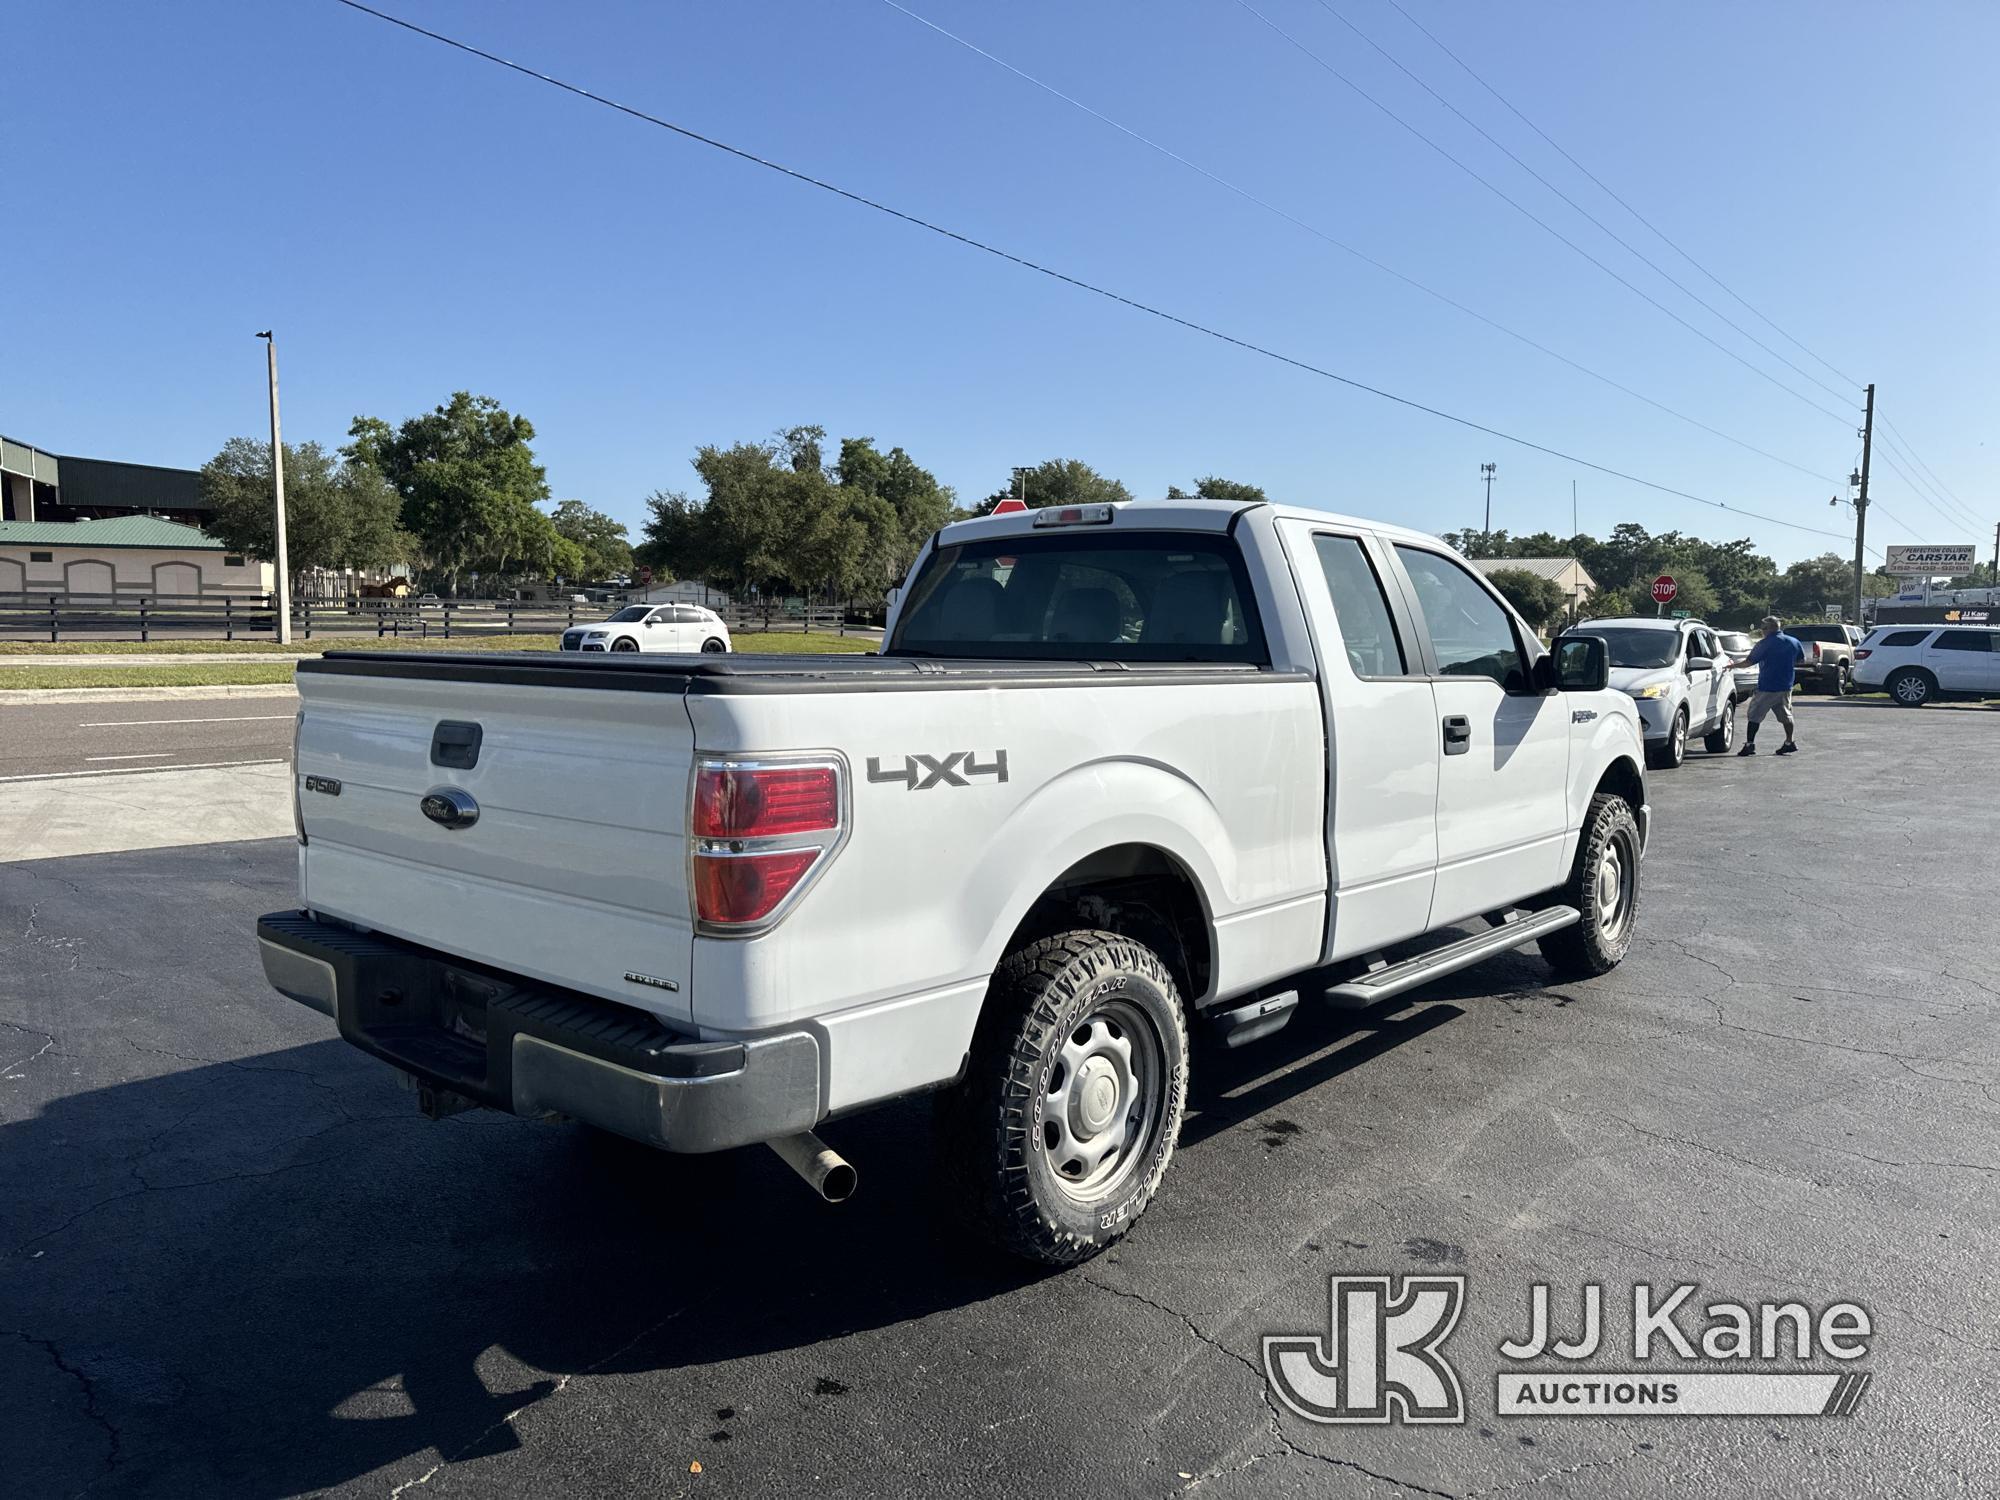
column 1382, row 1357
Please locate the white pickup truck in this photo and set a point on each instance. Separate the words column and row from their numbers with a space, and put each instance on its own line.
column 1118, row 771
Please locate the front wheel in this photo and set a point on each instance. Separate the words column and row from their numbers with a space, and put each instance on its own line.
column 1671, row 751
column 1720, row 739
column 1604, row 887
column 625, row 643
column 1910, row 688
column 1074, row 1089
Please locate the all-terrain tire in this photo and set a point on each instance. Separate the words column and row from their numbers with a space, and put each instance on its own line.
column 1043, row 1069
column 1604, row 886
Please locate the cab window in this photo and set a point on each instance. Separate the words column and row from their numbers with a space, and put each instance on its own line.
column 1472, row 635
column 1367, row 629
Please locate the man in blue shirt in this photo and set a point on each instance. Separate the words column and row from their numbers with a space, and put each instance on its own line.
column 1776, row 659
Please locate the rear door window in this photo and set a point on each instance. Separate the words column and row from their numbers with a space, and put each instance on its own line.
column 1367, row 628
column 1084, row 596
column 1471, row 634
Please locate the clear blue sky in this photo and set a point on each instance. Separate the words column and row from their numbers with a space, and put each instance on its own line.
column 413, row 221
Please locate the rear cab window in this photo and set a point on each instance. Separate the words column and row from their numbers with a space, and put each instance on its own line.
column 1136, row 596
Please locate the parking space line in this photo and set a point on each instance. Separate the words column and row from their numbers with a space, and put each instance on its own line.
column 148, row 755
column 205, row 765
column 224, row 719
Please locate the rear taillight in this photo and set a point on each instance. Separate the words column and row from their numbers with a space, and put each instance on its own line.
column 1861, row 651
column 757, row 831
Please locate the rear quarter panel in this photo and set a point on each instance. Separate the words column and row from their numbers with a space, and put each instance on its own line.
column 1227, row 779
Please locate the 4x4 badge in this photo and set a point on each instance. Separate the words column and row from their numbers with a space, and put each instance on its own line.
column 919, row 773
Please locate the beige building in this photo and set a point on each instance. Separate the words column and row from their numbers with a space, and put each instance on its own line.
column 1568, row 573
column 122, row 559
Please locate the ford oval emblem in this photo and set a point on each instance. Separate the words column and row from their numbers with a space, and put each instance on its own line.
column 448, row 807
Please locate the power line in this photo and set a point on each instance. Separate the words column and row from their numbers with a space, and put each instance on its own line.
column 1911, row 449
column 1889, row 457
column 1022, row 261
column 1360, row 255
column 1844, row 418
column 1613, row 195
column 1620, row 239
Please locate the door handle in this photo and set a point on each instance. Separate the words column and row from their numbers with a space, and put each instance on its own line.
column 1457, row 734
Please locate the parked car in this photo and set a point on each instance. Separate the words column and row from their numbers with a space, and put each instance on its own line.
column 1120, row 769
column 1736, row 646
column 1919, row 663
column 1677, row 673
column 653, row 627
column 1829, row 660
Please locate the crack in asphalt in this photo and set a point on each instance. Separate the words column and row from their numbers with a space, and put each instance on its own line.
column 556, row 1388
column 115, row 1451
column 48, row 1046
column 1271, row 1413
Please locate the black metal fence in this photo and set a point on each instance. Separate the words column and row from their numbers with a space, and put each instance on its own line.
column 59, row 617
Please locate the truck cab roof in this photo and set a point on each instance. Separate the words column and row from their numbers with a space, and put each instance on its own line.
column 1189, row 514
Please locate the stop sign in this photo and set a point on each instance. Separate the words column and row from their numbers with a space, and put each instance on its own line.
column 1664, row 589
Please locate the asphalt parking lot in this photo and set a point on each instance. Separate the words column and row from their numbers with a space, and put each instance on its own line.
column 238, row 1262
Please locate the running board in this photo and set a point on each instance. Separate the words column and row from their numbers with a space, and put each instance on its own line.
column 1393, row 979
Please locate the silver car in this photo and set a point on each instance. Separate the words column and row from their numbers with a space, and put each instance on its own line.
column 1682, row 680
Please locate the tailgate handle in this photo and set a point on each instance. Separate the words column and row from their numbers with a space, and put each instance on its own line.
column 455, row 744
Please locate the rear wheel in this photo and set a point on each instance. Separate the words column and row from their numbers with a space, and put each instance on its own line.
column 713, row 645
column 1912, row 687
column 1604, row 887
column 1843, row 680
column 1720, row 739
column 1073, row 1095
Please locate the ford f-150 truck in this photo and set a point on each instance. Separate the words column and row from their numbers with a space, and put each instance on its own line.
column 1119, row 770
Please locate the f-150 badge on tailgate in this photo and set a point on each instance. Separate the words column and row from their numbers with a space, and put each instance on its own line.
column 919, row 773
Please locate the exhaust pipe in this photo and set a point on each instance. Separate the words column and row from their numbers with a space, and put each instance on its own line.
column 825, row 1170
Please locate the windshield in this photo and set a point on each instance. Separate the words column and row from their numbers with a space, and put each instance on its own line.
column 631, row 614
column 1083, row 595
column 1636, row 646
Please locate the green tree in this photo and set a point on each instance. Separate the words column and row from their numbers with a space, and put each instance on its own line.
column 1215, row 487
column 336, row 515
column 1810, row 585
column 1614, row 604
column 1060, row 481
column 605, row 549
column 1538, row 600
column 468, row 481
column 921, row 505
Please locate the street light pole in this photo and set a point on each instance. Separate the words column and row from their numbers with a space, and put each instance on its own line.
column 279, row 563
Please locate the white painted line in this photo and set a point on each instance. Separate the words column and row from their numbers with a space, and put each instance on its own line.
column 149, row 755
column 206, row 765
column 225, row 719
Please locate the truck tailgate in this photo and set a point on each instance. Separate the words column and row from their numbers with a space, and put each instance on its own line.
column 574, row 870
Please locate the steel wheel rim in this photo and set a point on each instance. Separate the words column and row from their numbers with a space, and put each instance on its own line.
column 1617, row 881
column 1101, row 1101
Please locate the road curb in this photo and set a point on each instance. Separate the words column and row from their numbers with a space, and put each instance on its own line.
column 30, row 697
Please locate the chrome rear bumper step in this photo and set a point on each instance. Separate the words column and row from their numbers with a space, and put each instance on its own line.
column 1393, row 979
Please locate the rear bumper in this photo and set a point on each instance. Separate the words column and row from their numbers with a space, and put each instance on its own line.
column 530, row 1051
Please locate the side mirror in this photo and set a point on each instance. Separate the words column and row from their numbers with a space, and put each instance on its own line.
column 1582, row 664
column 1700, row 664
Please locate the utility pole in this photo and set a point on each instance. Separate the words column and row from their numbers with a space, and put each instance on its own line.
column 1486, row 472
column 278, row 563
column 1861, row 500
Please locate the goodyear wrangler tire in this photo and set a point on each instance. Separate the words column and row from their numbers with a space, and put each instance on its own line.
column 1604, row 887
column 1072, row 1099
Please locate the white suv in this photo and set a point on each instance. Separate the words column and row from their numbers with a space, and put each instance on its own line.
column 655, row 627
column 1917, row 663
column 1681, row 678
